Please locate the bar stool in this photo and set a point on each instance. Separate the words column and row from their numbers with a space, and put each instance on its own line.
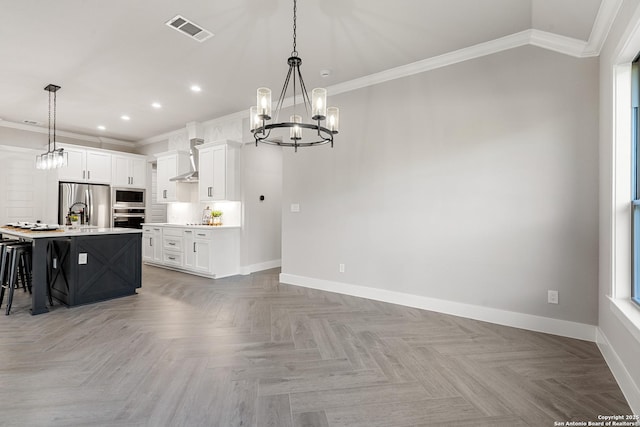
column 16, row 254
column 4, row 278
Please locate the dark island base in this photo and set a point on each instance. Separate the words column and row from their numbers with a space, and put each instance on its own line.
column 88, row 269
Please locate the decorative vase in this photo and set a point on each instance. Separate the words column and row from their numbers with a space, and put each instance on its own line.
column 217, row 220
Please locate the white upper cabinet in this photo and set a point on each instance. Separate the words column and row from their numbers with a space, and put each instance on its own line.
column 86, row 166
column 129, row 171
column 218, row 171
column 171, row 164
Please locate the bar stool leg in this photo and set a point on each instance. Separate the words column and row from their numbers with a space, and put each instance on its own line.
column 28, row 265
column 13, row 271
column 21, row 272
column 3, row 273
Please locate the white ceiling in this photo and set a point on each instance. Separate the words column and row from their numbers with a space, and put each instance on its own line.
column 117, row 57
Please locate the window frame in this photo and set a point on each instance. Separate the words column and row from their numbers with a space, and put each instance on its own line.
column 635, row 180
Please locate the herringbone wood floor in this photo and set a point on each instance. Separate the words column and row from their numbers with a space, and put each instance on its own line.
column 248, row 351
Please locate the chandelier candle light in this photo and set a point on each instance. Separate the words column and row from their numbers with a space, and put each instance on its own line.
column 53, row 158
column 261, row 113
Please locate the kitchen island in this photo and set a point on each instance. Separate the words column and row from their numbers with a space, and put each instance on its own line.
column 83, row 264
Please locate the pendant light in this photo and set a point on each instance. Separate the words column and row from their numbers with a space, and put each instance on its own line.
column 317, row 131
column 53, row 158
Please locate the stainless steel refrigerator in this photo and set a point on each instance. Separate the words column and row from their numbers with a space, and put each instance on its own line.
column 90, row 202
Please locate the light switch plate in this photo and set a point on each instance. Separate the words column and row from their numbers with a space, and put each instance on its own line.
column 82, row 258
column 295, row 207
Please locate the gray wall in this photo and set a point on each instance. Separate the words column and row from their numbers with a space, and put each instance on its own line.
column 475, row 183
column 262, row 175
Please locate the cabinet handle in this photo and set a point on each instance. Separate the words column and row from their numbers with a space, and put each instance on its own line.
column 172, row 258
column 164, row 194
column 172, row 244
column 209, row 190
column 88, row 174
column 83, row 174
column 194, row 246
column 203, row 235
column 150, row 241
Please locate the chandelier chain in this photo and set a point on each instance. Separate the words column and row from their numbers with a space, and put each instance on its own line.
column 295, row 13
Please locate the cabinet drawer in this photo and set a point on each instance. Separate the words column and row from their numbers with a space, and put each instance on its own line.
column 203, row 234
column 172, row 258
column 173, row 243
column 172, row 232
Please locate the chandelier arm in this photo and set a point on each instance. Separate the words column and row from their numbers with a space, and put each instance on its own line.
column 305, row 95
column 297, row 68
column 283, row 93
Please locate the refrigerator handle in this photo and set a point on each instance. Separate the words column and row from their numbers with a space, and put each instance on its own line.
column 89, row 202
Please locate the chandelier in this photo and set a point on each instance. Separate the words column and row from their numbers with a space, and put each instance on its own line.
column 53, row 158
column 260, row 115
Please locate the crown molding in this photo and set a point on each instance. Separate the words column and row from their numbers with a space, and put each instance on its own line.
column 602, row 25
column 444, row 60
column 557, row 43
column 78, row 136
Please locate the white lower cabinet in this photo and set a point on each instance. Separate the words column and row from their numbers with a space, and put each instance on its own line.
column 152, row 244
column 202, row 248
column 172, row 247
column 206, row 251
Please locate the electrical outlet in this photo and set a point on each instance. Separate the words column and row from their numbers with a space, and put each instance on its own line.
column 552, row 297
column 295, row 207
column 82, row 258
column 341, row 268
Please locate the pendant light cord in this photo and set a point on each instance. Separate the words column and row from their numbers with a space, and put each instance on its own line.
column 55, row 96
column 49, row 133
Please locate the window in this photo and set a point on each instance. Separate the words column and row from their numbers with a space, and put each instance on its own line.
column 635, row 177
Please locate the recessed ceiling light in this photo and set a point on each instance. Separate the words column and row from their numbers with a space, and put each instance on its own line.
column 156, row 105
column 100, row 127
column 196, row 88
column 125, row 117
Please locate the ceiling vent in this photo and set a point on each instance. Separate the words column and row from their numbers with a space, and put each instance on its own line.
column 189, row 28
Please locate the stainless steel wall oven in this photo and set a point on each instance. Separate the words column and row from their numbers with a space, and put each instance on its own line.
column 128, row 207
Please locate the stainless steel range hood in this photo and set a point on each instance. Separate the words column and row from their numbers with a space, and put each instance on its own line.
column 192, row 175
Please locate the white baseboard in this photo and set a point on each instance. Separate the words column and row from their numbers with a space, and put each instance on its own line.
column 629, row 388
column 248, row 269
column 493, row 315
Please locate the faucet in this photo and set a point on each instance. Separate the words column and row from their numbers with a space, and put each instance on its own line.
column 82, row 212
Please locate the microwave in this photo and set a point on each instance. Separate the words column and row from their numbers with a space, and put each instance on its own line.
column 128, row 197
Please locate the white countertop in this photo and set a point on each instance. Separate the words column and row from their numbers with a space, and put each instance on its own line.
column 66, row 232
column 208, row 227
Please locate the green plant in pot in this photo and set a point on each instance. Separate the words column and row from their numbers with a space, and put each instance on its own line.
column 217, row 217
